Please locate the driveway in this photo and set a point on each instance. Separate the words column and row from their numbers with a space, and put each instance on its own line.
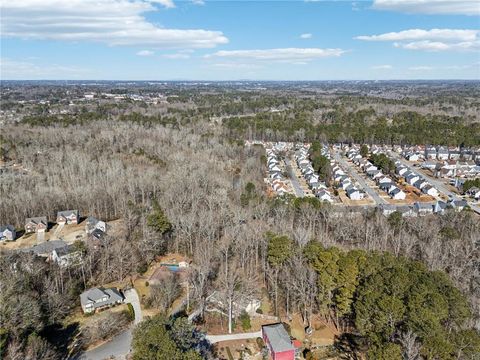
column 120, row 345
column 217, row 338
column 131, row 297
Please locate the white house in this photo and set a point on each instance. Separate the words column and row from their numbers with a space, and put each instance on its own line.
column 7, row 233
column 355, row 194
column 398, row 194
column 430, row 190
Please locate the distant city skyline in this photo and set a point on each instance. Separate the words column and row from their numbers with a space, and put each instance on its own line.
column 235, row 40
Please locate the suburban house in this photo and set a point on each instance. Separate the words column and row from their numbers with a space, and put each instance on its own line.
column 458, row 205
column 68, row 217
column 92, row 224
column 430, row 190
column 423, row 208
column 278, row 342
column 355, row 194
column 439, row 207
column 442, row 153
column 36, row 224
column 99, row 298
column 7, row 233
column 66, row 255
column 398, row 194
column 324, row 195
column 45, row 249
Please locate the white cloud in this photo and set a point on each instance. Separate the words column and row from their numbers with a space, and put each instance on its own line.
column 440, row 46
column 145, row 53
column 176, row 56
column 115, row 22
column 421, row 68
column 419, row 34
column 452, row 7
column 382, row 67
column 430, row 40
column 306, row 36
column 232, row 65
column 21, row 70
column 198, row 2
column 167, row 3
column 280, row 55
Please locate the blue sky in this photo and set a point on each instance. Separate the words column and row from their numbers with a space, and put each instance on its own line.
column 231, row 40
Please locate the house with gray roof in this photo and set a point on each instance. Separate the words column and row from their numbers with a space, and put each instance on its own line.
column 68, row 217
column 278, row 342
column 67, row 255
column 99, row 298
column 92, row 224
column 36, row 224
column 7, row 233
column 45, row 249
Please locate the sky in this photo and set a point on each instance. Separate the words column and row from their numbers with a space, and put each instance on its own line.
column 239, row 40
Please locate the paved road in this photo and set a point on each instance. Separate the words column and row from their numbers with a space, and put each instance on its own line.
column 439, row 184
column 217, row 338
column 119, row 346
column 296, row 185
column 349, row 169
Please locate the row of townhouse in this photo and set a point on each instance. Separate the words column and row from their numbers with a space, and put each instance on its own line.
column 317, row 186
column 453, row 168
column 276, row 178
column 424, row 153
column 423, row 209
column 383, row 181
column 346, row 183
column 415, row 179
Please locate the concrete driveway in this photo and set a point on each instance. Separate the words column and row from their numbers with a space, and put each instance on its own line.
column 217, row 338
column 131, row 297
column 119, row 347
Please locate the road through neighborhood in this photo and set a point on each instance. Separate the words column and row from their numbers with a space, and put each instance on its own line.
column 296, row 185
column 348, row 168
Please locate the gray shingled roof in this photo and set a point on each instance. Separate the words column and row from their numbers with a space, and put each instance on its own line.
column 67, row 213
column 95, row 294
column 46, row 247
column 278, row 337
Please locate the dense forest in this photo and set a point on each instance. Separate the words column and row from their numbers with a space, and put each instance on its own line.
column 363, row 126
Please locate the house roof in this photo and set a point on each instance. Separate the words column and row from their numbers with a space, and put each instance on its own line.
column 65, row 250
column 45, row 248
column 37, row 220
column 278, row 337
column 7, row 227
column 95, row 294
column 423, row 206
column 67, row 213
